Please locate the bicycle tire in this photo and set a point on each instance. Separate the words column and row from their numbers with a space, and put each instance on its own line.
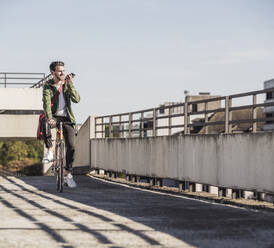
column 60, row 166
column 57, row 166
column 61, row 171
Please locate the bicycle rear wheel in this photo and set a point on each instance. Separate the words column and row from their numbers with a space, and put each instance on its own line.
column 60, row 151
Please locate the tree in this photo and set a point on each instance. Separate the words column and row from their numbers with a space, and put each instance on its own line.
column 20, row 150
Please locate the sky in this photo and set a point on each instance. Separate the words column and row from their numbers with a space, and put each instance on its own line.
column 130, row 55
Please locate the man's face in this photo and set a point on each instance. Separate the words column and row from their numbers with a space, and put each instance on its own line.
column 59, row 72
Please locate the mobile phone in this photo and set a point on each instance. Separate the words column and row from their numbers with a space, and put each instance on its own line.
column 72, row 74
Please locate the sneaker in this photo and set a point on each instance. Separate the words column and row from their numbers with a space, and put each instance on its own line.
column 69, row 181
column 48, row 157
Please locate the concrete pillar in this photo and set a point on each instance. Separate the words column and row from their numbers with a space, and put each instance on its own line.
column 213, row 190
column 248, row 194
column 229, row 193
column 180, row 188
column 198, row 187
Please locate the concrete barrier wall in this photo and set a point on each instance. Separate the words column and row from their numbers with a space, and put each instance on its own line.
column 82, row 143
column 243, row 161
column 21, row 99
column 18, row 126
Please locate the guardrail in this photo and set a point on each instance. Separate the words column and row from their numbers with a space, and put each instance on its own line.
column 42, row 82
column 126, row 124
column 23, row 79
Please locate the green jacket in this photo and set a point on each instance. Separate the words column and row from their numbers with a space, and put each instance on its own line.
column 70, row 94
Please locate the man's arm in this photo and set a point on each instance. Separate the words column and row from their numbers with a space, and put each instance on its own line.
column 47, row 103
column 74, row 95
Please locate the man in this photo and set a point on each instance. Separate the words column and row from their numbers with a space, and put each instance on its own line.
column 58, row 108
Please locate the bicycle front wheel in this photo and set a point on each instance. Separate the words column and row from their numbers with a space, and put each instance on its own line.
column 60, row 151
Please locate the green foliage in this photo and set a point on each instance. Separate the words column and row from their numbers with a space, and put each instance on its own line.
column 35, row 149
column 20, row 150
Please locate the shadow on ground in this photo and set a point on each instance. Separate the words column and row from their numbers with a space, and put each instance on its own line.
column 195, row 223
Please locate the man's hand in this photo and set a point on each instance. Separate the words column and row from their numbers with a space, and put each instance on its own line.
column 51, row 122
column 69, row 78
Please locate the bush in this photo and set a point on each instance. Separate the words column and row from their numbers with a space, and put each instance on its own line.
column 20, row 150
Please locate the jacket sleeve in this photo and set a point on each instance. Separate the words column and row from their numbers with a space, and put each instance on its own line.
column 47, row 102
column 74, row 95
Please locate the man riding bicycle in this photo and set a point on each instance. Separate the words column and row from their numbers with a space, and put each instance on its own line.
column 60, row 110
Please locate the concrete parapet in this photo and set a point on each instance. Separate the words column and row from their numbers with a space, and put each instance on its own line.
column 241, row 161
column 82, row 143
column 21, row 99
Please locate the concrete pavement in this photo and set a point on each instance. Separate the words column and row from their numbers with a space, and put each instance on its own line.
column 103, row 214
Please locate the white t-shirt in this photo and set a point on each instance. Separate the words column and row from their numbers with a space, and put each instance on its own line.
column 62, row 107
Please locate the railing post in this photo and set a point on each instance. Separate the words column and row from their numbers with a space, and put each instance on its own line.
column 110, row 131
column 129, row 124
column 254, row 114
column 206, row 118
column 155, row 122
column 121, row 134
column 169, row 121
column 95, row 127
column 228, row 115
column 186, row 116
column 142, row 124
column 5, row 80
column 103, row 128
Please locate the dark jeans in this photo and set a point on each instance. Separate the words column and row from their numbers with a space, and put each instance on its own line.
column 69, row 135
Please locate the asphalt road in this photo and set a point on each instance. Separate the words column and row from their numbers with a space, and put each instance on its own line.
column 104, row 214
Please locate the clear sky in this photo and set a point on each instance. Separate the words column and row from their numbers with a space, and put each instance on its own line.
column 134, row 54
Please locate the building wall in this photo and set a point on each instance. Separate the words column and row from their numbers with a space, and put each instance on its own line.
column 18, row 126
column 180, row 110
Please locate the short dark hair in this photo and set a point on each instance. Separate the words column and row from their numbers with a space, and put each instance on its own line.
column 54, row 64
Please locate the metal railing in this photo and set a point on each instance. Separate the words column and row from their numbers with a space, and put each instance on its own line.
column 42, row 81
column 23, row 79
column 149, row 122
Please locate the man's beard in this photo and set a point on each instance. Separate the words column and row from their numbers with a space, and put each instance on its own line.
column 60, row 78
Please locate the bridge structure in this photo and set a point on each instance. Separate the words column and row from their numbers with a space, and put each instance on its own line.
column 20, row 104
column 227, row 163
